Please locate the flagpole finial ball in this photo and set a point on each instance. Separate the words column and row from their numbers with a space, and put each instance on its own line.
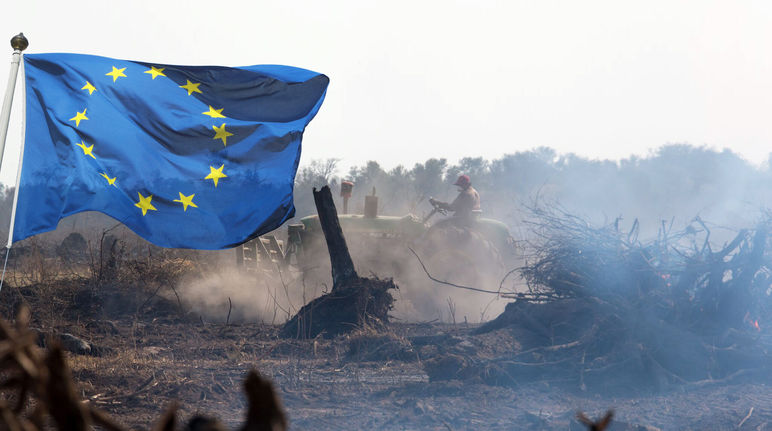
column 19, row 42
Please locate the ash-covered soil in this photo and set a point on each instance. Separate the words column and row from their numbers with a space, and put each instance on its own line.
column 145, row 359
column 324, row 385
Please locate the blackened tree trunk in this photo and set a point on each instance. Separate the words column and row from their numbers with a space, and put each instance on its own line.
column 353, row 302
column 343, row 271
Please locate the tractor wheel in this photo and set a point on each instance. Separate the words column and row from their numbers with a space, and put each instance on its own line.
column 462, row 256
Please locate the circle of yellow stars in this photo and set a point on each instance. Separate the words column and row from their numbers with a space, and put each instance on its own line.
column 144, row 203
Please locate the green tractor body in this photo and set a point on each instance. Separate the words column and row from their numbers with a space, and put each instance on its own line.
column 381, row 245
column 408, row 229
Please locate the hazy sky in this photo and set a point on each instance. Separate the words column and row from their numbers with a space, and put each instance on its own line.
column 417, row 79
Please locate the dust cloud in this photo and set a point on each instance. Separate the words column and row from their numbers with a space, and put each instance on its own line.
column 250, row 295
column 420, row 299
column 272, row 296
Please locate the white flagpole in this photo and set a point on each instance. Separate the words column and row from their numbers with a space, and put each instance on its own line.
column 19, row 43
column 18, row 168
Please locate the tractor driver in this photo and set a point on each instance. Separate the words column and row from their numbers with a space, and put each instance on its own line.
column 466, row 206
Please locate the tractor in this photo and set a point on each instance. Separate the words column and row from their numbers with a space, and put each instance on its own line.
column 388, row 246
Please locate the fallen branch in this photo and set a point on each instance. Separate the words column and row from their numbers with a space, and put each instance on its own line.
column 230, row 306
column 447, row 283
column 748, row 416
column 145, row 385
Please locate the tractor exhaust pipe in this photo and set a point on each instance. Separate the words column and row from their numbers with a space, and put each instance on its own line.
column 346, row 187
column 371, row 205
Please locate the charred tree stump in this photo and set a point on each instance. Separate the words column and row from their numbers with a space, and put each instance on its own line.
column 353, row 302
column 343, row 271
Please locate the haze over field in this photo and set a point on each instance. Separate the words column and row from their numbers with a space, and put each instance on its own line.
column 411, row 81
column 674, row 185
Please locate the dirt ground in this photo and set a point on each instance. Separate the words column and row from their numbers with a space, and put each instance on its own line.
column 144, row 360
column 323, row 387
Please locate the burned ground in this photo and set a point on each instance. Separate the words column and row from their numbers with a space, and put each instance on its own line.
column 362, row 380
column 622, row 324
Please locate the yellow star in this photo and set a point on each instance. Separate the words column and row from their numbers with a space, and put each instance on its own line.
column 88, row 151
column 156, row 71
column 110, row 181
column 144, row 203
column 191, row 87
column 79, row 116
column 186, row 200
column 215, row 174
column 89, row 87
column 214, row 113
column 221, row 133
column 116, row 73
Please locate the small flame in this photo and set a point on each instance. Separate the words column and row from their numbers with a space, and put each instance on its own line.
column 753, row 323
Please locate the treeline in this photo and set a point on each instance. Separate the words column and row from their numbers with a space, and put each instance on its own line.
column 674, row 182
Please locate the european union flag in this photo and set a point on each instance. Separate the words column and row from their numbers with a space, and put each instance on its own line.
column 185, row 156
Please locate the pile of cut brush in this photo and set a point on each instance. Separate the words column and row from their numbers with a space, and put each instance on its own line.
column 605, row 311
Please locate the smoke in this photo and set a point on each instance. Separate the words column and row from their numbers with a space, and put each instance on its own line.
column 667, row 188
column 676, row 183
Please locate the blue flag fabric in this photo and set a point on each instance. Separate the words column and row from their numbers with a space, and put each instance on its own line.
column 186, row 156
